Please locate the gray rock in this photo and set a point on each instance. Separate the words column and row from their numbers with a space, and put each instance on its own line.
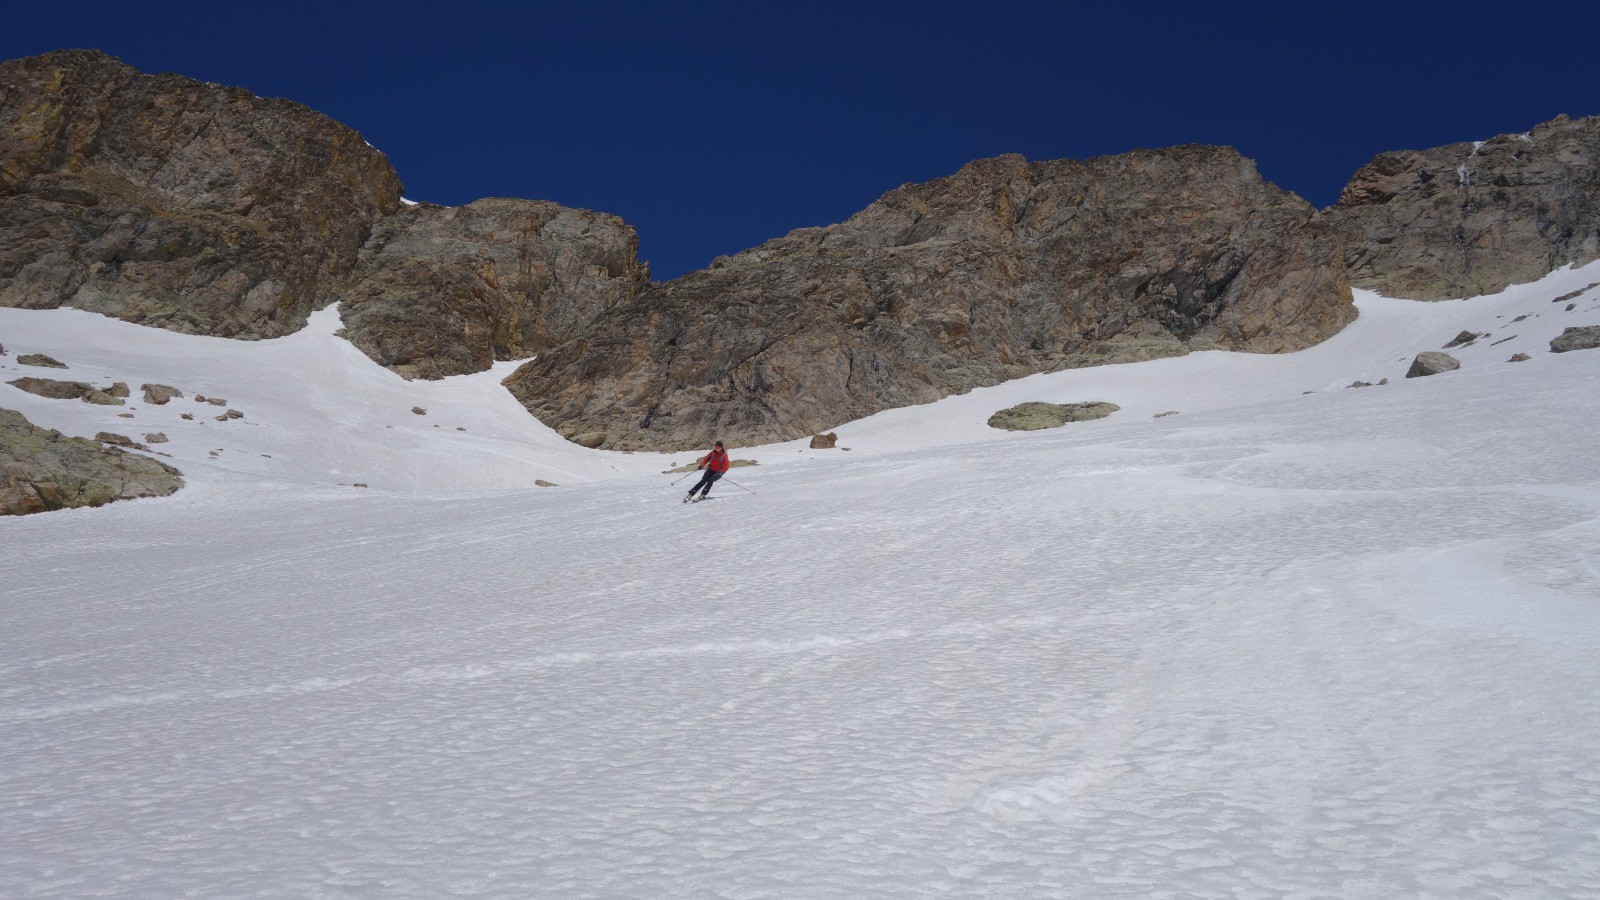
column 171, row 202
column 1581, row 337
column 1037, row 416
column 1519, row 357
column 215, row 401
column 1163, row 415
column 119, row 389
column 39, row 359
column 233, row 414
column 1462, row 339
column 540, row 482
column 53, row 389
column 1432, row 362
column 1531, row 204
column 159, row 394
column 42, row 470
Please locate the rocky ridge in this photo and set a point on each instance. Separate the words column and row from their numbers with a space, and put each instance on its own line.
column 166, row 201
column 1004, row 269
column 205, row 209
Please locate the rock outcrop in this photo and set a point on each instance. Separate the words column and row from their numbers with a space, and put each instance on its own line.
column 444, row 291
column 1471, row 218
column 1037, row 415
column 42, row 470
column 167, row 201
column 1581, row 337
column 1432, row 362
column 1004, row 269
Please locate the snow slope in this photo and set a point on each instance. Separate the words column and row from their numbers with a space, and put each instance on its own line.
column 1333, row 644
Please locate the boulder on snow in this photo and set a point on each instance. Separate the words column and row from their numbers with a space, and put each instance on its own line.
column 159, row 394
column 155, row 438
column 118, row 440
column 1432, row 362
column 39, row 359
column 1519, row 357
column 419, row 410
column 118, row 389
column 1035, row 416
column 1462, row 339
column 1580, row 337
column 824, row 441
column 103, row 398
column 53, row 389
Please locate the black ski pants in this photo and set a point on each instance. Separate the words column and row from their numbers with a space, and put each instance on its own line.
column 705, row 483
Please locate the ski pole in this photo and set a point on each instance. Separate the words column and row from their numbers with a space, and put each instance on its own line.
column 686, row 475
column 737, row 485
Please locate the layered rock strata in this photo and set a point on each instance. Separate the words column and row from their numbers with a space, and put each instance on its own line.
column 167, row 201
column 1004, row 269
column 1472, row 218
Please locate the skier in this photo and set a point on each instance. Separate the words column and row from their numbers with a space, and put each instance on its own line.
column 715, row 464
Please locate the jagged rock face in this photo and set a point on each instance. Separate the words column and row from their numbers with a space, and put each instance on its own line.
column 1004, row 269
column 443, row 291
column 42, row 470
column 1530, row 204
column 167, row 201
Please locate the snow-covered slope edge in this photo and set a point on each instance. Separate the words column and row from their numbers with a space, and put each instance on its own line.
column 319, row 412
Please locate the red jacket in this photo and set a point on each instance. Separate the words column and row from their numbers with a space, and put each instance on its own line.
column 716, row 460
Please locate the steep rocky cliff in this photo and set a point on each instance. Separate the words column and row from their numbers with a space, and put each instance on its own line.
column 166, row 201
column 1471, row 218
column 1004, row 269
column 442, row 291
column 206, row 209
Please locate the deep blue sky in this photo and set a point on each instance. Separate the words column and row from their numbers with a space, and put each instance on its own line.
column 711, row 127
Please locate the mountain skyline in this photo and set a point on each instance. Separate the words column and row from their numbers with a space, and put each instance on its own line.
column 714, row 130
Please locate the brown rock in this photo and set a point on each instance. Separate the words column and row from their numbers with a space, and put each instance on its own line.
column 155, row 438
column 103, row 398
column 53, row 389
column 1004, row 269
column 159, row 394
column 118, row 440
column 1530, row 204
column 171, row 202
column 419, row 410
column 39, row 359
column 1519, row 357
column 443, row 291
column 824, row 441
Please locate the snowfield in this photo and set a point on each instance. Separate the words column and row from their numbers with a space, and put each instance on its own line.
column 1282, row 644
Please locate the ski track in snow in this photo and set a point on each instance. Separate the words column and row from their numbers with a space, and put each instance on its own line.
column 1330, row 646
